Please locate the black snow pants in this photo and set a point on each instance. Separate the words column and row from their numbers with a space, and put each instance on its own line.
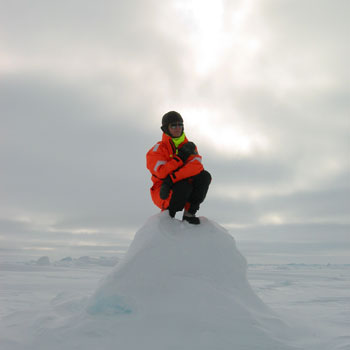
column 191, row 190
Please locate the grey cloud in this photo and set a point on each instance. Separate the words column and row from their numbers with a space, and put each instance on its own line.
column 57, row 156
column 92, row 172
column 80, row 22
column 249, row 171
column 12, row 226
column 106, row 42
column 302, row 42
column 328, row 204
column 230, row 211
column 307, row 38
column 82, row 102
column 21, row 232
column 279, row 193
column 312, row 233
column 38, row 242
column 310, row 24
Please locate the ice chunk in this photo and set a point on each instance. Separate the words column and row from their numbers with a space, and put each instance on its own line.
column 43, row 261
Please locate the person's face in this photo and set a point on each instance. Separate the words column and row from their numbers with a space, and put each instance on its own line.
column 175, row 129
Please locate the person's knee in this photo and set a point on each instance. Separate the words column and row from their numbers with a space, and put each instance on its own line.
column 181, row 192
column 207, row 177
column 204, row 177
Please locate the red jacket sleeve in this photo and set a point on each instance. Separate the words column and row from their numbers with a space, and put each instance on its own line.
column 160, row 164
column 192, row 167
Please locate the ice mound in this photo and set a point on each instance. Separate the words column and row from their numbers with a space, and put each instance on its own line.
column 182, row 286
column 43, row 261
column 179, row 287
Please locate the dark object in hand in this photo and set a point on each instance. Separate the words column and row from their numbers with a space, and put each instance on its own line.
column 186, row 150
column 166, row 187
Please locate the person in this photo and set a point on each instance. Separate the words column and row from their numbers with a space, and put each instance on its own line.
column 179, row 179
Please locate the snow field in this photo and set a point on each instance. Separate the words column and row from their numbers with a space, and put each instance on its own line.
column 178, row 287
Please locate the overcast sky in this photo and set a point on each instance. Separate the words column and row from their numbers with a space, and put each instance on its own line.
column 263, row 87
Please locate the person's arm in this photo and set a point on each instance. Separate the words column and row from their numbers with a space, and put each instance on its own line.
column 159, row 165
column 192, row 167
column 192, row 162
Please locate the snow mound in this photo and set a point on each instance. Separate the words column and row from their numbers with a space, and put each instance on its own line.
column 182, row 286
column 178, row 287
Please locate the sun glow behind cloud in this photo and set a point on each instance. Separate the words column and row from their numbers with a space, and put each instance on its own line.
column 222, row 44
column 206, row 18
column 213, row 33
column 225, row 136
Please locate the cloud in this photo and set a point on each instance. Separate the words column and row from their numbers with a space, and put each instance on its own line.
column 59, row 158
column 114, row 48
column 83, row 85
column 327, row 206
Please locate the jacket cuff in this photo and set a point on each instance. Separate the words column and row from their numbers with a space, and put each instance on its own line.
column 173, row 177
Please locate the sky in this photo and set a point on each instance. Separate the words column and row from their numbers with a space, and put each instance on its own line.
column 263, row 87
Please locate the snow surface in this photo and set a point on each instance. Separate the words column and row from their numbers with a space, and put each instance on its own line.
column 178, row 287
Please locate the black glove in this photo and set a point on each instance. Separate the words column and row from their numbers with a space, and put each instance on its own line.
column 166, row 187
column 186, row 150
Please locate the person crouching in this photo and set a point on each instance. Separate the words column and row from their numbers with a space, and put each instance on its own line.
column 179, row 179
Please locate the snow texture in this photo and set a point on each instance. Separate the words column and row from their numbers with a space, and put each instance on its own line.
column 179, row 286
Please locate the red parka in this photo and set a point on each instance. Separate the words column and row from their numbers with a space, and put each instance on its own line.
column 163, row 161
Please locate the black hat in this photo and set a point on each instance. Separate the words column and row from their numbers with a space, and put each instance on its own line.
column 168, row 118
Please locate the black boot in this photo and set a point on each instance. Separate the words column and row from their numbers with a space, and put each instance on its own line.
column 171, row 213
column 191, row 219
